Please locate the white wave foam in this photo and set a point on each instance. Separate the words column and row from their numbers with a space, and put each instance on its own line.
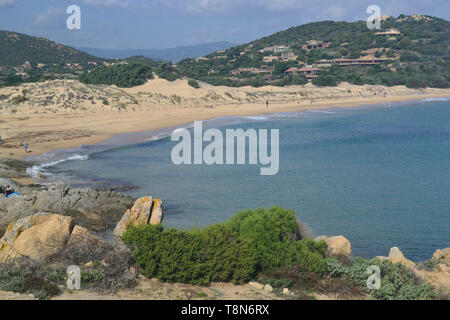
column 322, row 111
column 35, row 170
column 436, row 99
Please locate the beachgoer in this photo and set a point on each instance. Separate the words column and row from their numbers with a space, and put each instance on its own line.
column 9, row 191
column 2, row 190
column 267, row 103
column 25, row 146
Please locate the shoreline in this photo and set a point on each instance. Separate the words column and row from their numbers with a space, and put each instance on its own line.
column 67, row 131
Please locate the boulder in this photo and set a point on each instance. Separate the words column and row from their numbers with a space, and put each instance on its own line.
column 43, row 235
column 256, row 285
column 36, row 237
column 157, row 212
column 337, row 246
column 268, row 288
column 438, row 277
column 396, row 256
column 80, row 234
column 442, row 256
column 95, row 210
column 144, row 211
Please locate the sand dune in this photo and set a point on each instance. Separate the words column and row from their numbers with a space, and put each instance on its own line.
column 57, row 114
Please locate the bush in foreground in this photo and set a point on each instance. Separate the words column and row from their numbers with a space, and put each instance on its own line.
column 275, row 236
column 198, row 257
column 251, row 242
column 397, row 282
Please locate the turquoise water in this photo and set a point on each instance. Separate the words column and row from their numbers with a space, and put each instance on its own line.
column 378, row 175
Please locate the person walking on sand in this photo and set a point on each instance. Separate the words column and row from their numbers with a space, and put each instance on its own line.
column 25, row 146
column 267, row 104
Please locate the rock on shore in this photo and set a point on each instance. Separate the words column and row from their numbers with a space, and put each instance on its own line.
column 40, row 236
column 438, row 276
column 94, row 210
column 146, row 210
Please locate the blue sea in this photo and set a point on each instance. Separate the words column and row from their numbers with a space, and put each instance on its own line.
column 379, row 175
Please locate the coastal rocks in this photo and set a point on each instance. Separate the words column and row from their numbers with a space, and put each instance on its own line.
column 268, row 288
column 35, row 237
column 438, row 276
column 442, row 256
column 337, row 246
column 256, row 285
column 144, row 211
column 95, row 210
column 43, row 235
column 396, row 256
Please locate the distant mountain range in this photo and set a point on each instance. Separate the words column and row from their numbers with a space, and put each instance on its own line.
column 172, row 54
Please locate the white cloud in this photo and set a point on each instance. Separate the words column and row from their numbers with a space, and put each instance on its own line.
column 48, row 15
column 107, row 3
column 7, row 3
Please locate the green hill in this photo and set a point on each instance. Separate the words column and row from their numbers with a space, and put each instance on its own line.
column 16, row 49
column 418, row 56
column 25, row 58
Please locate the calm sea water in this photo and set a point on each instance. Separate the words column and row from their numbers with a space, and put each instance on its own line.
column 378, row 175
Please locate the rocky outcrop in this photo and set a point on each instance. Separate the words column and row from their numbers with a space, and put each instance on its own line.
column 438, row 276
column 144, row 211
column 337, row 246
column 95, row 210
column 41, row 236
column 442, row 256
column 35, row 237
column 396, row 256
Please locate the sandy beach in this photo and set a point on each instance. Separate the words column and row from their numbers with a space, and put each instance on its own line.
column 78, row 115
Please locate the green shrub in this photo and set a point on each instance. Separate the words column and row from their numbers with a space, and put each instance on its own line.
column 29, row 277
column 194, row 84
column 397, row 282
column 274, row 234
column 197, row 257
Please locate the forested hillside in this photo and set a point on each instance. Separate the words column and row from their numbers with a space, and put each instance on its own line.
column 408, row 50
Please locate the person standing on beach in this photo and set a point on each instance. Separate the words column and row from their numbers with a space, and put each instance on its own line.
column 267, row 103
column 25, row 146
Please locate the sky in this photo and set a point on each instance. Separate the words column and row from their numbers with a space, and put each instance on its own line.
column 157, row 24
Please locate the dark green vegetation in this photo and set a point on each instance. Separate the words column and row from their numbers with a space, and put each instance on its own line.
column 267, row 245
column 194, row 84
column 397, row 282
column 234, row 251
column 133, row 73
column 27, row 58
column 121, row 75
column 418, row 57
column 110, row 270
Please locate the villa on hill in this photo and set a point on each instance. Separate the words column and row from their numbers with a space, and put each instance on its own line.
column 388, row 32
column 349, row 62
column 315, row 44
column 308, row 72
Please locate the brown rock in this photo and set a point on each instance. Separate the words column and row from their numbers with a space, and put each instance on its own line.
column 337, row 246
column 442, row 256
column 157, row 213
column 36, row 237
column 144, row 211
column 396, row 256
column 80, row 234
